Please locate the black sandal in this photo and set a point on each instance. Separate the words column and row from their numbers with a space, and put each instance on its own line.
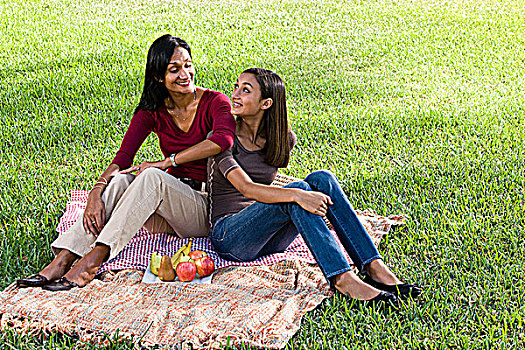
column 36, row 280
column 59, row 285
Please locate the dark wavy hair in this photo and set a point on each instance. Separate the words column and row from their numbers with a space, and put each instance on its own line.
column 274, row 125
column 159, row 56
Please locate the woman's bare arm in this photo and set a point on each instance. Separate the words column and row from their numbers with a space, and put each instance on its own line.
column 201, row 150
column 312, row 201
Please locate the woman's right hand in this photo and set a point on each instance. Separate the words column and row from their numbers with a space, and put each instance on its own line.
column 315, row 202
column 161, row 164
column 95, row 213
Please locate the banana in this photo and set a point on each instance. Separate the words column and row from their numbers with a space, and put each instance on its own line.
column 184, row 250
column 175, row 258
column 187, row 250
column 175, row 262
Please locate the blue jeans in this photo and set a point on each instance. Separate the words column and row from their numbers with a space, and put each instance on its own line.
column 261, row 229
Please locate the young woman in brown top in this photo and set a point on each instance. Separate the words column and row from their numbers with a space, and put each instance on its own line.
column 251, row 219
column 182, row 115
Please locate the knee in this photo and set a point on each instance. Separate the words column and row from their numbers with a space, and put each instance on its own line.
column 321, row 176
column 121, row 180
column 303, row 185
column 151, row 175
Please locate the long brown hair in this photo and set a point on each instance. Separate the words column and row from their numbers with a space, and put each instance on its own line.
column 274, row 124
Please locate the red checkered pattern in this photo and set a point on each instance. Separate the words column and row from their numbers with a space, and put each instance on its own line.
column 137, row 253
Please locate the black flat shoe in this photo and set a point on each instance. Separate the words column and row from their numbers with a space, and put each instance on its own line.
column 59, row 285
column 403, row 291
column 36, row 280
column 385, row 299
column 382, row 300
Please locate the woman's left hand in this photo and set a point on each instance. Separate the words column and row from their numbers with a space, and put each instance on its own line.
column 161, row 164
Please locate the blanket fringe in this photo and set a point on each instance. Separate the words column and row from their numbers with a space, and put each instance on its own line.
column 43, row 328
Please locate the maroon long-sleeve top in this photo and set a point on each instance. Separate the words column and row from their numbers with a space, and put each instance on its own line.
column 213, row 114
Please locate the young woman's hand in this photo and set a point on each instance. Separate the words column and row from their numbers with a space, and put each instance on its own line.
column 95, row 213
column 161, row 164
column 315, row 202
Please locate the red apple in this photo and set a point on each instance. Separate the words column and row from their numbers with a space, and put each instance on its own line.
column 197, row 254
column 186, row 271
column 205, row 266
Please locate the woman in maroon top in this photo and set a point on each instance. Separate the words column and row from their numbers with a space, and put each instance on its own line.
column 192, row 123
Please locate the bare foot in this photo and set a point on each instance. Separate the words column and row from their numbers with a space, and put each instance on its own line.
column 86, row 268
column 59, row 266
column 381, row 273
column 349, row 284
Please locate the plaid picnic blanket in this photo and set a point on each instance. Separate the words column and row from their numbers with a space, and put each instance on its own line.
column 137, row 253
column 259, row 303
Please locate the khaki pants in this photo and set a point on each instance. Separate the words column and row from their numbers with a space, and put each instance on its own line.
column 154, row 199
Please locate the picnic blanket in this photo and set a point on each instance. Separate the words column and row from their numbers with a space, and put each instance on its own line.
column 259, row 303
column 137, row 253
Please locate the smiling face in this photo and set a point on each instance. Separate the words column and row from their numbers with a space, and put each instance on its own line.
column 180, row 73
column 246, row 97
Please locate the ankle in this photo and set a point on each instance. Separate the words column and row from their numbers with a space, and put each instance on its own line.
column 100, row 252
column 352, row 286
column 374, row 267
column 379, row 272
column 59, row 266
column 342, row 281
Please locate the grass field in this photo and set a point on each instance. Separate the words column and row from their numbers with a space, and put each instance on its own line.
column 417, row 106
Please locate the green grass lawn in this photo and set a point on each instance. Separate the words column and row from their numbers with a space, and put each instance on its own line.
column 417, row 106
